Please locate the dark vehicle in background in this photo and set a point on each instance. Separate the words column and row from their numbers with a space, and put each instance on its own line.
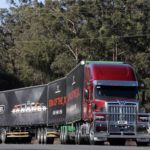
column 96, row 102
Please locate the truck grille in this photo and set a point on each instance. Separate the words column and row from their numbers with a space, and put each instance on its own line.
column 122, row 111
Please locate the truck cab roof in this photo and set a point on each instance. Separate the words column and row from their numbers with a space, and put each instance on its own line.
column 112, row 71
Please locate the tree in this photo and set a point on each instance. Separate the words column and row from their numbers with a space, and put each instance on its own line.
column 47, row 40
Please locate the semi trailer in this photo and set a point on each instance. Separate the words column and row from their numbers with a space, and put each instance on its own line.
column 95, row 102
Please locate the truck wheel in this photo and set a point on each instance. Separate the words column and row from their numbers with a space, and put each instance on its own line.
column 42, row 135
column 61, row 138
column 76, row 137
column 39, row 136
column 79, row 138
column 45, row 136
column 65, row 138
column 91, row 137
column 3, row 135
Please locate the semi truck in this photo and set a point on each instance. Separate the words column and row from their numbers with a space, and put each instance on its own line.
column 95, row 102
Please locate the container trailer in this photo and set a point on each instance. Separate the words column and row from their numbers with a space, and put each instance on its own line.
column 22, row 110
column 32, row 112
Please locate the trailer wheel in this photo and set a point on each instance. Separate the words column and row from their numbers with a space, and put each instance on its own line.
column 42, row 135
column 61, row 138
column 39, row 136
column 45, row 136
column 3, row 135
column 76, row 137
column 65, row 138
column 79, row 138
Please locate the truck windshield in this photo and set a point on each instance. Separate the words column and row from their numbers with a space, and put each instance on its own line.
column 115, row 91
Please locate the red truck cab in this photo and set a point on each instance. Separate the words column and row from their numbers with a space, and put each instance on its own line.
column 106, row 81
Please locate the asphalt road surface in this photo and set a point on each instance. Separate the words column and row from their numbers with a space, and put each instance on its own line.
column 67, row 147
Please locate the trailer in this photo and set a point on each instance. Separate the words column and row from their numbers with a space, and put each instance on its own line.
column 22, row 110
column 33, row 112
column 57, row 105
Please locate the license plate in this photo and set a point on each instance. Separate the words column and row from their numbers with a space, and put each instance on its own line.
column 122, row 122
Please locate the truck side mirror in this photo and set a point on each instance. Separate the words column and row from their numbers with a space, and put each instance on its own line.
column 141, row 86
column 94, row 106
column 86, row 94
column 143, row 92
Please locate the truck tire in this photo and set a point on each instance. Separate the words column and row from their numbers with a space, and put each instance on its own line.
column 45, row 136
column 91, row 137
column 61, row 138
column 76, row 137
column 65, row 138
column 39, row 135
column 79, row 138
column 3, row 135
column 42, row 136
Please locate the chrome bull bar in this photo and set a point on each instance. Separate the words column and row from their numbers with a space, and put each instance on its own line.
column 127, row 124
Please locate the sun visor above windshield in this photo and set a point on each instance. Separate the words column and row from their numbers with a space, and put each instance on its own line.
column 116, row 83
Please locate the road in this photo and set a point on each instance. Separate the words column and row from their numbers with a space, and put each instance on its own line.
column 67, row 147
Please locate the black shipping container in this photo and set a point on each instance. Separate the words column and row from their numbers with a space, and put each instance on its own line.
column 75, row 84
column 57, row 101
column 26, row 106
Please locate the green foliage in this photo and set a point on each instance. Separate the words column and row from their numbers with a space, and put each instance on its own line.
column 42, row 42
